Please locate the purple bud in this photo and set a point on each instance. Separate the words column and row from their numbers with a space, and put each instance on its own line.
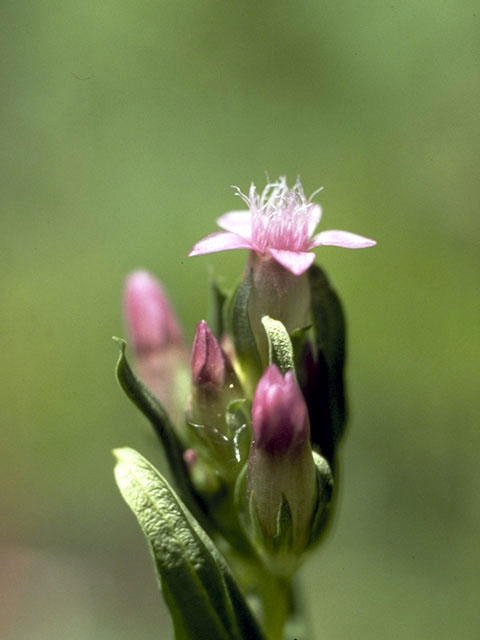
column 211, row 369
column 280, row 462
column 216, row 430
column 151, row 322
column 279, row 413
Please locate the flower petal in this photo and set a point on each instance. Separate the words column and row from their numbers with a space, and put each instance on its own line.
column 343, row 239
column 314, row 218
column 237, row 222
column 219, row 241
column 297, row 262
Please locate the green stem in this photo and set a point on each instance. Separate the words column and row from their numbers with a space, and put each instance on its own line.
column 298, row 625
column 276, row 599
column 271, row 597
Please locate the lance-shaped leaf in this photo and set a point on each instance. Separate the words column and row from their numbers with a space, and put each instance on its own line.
column 149, row 405
column 329, row 330
column 280, row 351
column 243, row 338
column 203, row 598
column 216, row 303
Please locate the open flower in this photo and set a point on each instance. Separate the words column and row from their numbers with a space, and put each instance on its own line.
column 280, row 223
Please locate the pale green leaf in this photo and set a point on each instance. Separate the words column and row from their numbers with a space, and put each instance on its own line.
column 199, row 589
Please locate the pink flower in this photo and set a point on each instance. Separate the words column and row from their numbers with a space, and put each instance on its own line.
column 280, row 223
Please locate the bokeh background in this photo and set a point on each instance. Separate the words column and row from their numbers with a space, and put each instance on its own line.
column 123, row 125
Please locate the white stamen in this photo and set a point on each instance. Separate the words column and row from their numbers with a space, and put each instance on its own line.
column 280, row 215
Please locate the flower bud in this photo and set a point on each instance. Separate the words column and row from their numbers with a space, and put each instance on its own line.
column 212, row 371
column 151, row 323
column 279, row 413
column 155, row 334
column 215, row 415
column 281, row 469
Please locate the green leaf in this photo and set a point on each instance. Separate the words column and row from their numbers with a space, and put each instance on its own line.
column 216, row 303
column 243, row 338
column 203, row 598
column 151, row 408
column 329, row 330
column 280, row 350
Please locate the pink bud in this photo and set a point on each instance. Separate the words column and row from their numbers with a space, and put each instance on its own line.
column 280, row 464
column 279, row 413
column 159, row 350
column 211, row 368
column 151, row 322
column 190, row 457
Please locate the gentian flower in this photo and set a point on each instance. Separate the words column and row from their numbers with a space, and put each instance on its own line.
column 279, row 223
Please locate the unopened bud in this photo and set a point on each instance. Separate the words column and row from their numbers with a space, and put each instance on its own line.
column 215, row 414
column 190, row 457
column 212, row 371
column 281, row 475
column 155, row 334
column 151, row 322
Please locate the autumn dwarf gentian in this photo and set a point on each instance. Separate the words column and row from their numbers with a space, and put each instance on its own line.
column 279, row 223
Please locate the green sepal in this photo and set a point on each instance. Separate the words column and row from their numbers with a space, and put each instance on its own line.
column 149, row 405
column 216, row 304
column 248, row 515
column 204, row 600
column 247, row 510
column 329, row 332
column 283, row 540
column 256, row 530
column 276, row 552
column 324, row 498
column 242, row 334
column 280, row 350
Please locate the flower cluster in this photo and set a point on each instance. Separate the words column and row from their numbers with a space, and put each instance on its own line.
column 259, row 411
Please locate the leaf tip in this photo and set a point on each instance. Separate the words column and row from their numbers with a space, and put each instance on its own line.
column 122, row 453
column 121, row 343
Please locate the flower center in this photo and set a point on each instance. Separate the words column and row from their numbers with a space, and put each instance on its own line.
column 280, row 216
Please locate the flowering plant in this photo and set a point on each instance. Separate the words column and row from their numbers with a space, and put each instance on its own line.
column 251, row 428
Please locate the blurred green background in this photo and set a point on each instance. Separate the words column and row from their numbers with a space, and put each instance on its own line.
column 123, row 125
